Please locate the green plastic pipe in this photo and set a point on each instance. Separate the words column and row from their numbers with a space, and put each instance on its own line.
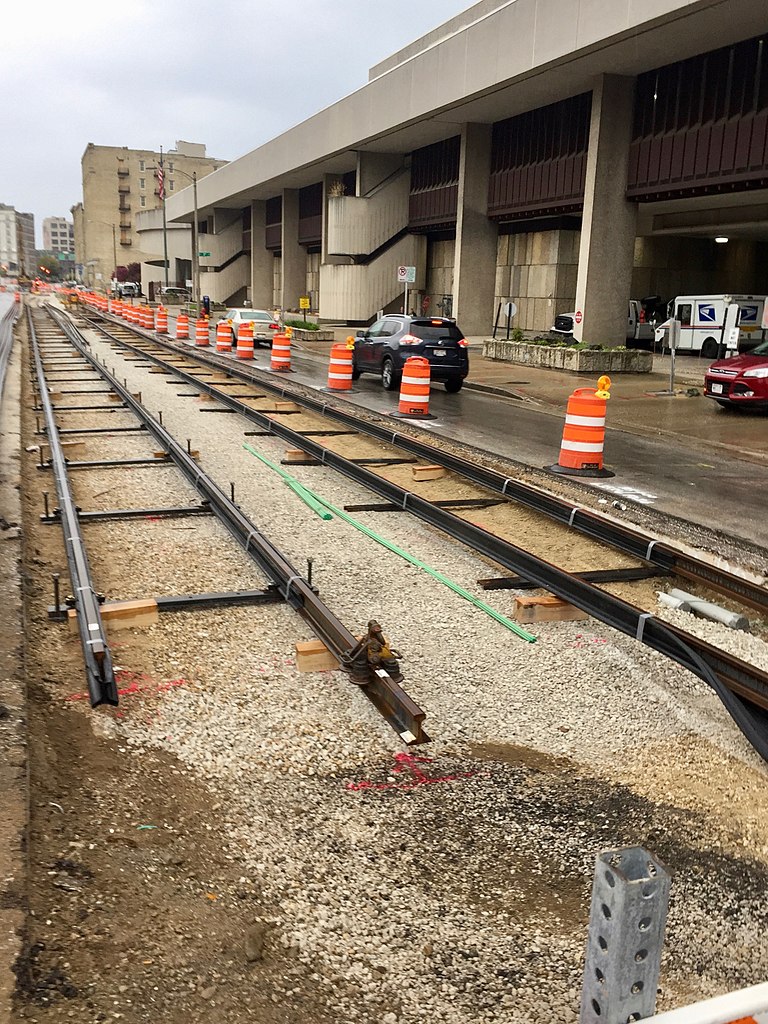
column 315, row 501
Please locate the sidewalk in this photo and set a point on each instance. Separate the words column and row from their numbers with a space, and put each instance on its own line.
column 637, row 404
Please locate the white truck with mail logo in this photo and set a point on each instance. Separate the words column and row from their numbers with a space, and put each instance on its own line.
column 703, row 322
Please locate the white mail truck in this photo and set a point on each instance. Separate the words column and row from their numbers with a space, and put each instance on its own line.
column 702, row 322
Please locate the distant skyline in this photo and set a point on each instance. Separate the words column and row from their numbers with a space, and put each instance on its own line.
column 230, row 75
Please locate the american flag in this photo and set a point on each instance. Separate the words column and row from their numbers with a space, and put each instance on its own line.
column 160, row 182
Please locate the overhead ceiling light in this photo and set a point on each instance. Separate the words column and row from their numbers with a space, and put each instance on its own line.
column 721, row 239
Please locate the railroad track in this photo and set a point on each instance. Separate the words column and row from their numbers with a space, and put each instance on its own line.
column 287, row 583
column 742, row 688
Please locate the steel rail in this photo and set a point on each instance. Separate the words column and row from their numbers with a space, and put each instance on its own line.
column 400, row 710
column 7, row 325
column 586, row 521
column 742, row 688
column 99, row 670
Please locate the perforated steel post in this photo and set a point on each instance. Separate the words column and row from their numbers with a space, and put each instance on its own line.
column 630, row 898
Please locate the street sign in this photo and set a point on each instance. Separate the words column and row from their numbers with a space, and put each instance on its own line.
column 203, row 254
column 579, row 316
column 304, row 302
column 406, row 275
column 510, row 309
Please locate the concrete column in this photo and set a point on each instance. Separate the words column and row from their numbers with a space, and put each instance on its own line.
column 476, row 235
column 261, row 259
column 609, row 221
column 294, row 261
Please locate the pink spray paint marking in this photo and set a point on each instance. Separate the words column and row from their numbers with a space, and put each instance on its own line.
column 135, row 683
column 405, row 762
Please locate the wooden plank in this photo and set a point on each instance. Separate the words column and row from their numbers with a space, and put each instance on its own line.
column 122, row 614
column 428, row 472
column 590, row 576
column 545, row 609
column 314, row 656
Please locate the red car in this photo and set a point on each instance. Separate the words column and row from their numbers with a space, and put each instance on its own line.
column 740, row 381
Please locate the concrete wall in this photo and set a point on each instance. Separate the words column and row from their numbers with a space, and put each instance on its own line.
column 440, row 264
column 313, row 278
column 537, row 271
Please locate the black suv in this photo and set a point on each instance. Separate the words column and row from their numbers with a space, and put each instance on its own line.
column 384, row 347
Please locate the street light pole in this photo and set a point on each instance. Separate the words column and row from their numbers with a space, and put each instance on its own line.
column 165, row 224
column 195, row 244
column 114, row 249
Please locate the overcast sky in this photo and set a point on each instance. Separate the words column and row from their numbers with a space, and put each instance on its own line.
column 144, row 73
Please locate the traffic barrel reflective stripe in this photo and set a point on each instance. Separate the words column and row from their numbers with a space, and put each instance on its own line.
column 202, row 337
column 244, row 341
column 223, row 337
column 340, row 369
column 161, row 325
column 281, row 353
column 147, row 318
column 414, row 387
column 182, row 326
column 583, row 431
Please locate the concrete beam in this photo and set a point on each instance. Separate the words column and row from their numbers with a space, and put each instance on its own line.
column 609, row 221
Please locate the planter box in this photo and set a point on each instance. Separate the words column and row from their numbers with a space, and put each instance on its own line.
column 584, row 360
column 301, row 335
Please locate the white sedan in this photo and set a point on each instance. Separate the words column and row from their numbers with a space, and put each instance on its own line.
column 264, row 324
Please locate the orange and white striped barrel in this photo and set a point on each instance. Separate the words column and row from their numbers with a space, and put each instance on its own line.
column 281, row 353
column 223, row 336
column 161, row 322
column 414, row 387
column 340, row 369
column 182, row 326
column 202, row 336
column 244, row 341
column 584, row 431
column 148, row 318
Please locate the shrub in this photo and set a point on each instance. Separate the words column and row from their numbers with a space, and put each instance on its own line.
column 302, row 325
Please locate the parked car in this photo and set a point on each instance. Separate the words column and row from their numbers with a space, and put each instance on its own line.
column 127, row 290
column 740, row 382
column 384, row 347
column 173, row 295
column 264, row 324
column 640, row 317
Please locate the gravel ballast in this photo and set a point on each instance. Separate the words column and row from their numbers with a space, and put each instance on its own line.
column 449, row 882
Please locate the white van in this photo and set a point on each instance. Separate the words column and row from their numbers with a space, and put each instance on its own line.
column 702, row 318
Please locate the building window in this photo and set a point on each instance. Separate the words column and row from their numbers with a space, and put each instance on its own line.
column 142, row 182
column 170, row 184
column 142, row 200
column 141, row 165
column 170, row 167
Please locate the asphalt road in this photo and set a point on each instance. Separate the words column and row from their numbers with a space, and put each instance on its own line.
column 705, row 488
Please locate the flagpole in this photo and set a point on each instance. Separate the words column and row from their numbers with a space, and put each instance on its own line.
column 165, row 224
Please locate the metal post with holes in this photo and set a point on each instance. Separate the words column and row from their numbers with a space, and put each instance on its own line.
column 630, row 898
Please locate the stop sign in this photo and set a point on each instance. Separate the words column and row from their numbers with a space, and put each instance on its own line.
column 579, row 316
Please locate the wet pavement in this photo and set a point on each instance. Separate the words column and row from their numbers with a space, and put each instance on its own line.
column 682, row 455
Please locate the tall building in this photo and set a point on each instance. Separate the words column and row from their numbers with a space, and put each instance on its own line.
column 17, row 241
column 117, row 183
column 58, row 235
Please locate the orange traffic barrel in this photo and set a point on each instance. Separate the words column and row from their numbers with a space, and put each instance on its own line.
column 414, row 387
column 182, row 326
column 161, row 324
column 202, row 337
column 340, row 368
column 281, row 353
column 223, row 336
column 147, row 318
column 244, row 341
column 581, row 449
